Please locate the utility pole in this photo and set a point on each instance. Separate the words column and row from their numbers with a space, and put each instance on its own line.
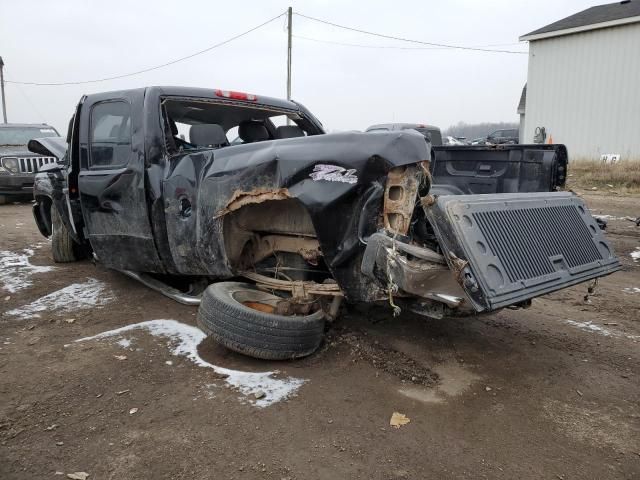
column 4, row 102
column 289, row 19
column 289, row 15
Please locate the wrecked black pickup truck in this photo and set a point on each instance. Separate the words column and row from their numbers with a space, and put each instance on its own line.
column 243, row 205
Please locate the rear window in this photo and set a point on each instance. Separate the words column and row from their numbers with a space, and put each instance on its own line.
column 239, row 123
column 110, row 142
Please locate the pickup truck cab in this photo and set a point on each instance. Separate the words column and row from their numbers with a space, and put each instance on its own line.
column 500, row 137
column 270, row 234
column 18, row 165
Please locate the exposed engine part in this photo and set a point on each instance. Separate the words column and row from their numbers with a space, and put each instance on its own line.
column 400, row 195
column 411, row 270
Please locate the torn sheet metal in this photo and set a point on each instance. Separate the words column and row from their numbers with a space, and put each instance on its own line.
column 218, row 182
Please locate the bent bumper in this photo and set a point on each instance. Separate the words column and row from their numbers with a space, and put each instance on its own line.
column 409, row 270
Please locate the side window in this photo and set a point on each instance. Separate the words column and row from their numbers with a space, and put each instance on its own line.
column 110, row 141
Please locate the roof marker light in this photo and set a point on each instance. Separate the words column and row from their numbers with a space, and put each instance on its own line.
column 236, row 95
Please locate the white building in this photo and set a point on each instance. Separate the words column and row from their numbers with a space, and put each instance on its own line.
column 583, row 83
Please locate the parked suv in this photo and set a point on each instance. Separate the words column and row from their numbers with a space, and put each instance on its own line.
column 18, row 165
column 503, row 136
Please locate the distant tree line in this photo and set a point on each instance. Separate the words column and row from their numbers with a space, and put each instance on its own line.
column 476, row 130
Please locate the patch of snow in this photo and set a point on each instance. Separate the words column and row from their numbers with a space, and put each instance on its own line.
column 16, row 270
column 636, row 254
column 608, row 217
column 631, row 290
column 89, row 294
column 184, row 340
column 592, row 327
column 124, row 342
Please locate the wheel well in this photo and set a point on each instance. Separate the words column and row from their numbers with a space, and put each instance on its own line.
column 256, row 233
column 42, row 214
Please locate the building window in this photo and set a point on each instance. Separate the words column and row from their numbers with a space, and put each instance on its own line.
column 110, row 142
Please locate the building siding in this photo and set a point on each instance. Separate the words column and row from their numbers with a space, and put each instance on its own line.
column 584, row 89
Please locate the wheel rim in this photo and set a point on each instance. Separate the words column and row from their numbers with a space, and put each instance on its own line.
column 264, row 302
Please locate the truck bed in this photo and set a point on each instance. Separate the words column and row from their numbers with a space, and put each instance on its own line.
column 478, row 169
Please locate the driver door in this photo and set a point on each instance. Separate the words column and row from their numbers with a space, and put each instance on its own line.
column 111, row 182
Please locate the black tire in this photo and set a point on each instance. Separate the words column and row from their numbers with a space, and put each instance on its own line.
column 255, row 333
column 63, row 247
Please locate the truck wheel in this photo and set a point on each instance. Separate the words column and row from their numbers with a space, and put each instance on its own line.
column 235, row 315
column 63, row 247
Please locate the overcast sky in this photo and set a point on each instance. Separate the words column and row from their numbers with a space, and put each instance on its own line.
column 346, row 87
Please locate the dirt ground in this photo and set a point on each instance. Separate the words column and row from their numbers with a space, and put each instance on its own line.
column 549, row 392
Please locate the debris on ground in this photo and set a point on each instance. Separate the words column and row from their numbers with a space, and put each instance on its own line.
column 120, row 357
column 398, row 420
column 133, row 410
column 388, row 359
column 78, row 475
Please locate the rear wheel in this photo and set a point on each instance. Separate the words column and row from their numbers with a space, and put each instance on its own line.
column 63, row 247
column 240, row 317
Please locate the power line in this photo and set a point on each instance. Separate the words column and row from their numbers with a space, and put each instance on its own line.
column 172, row 62
column 391, row 37
column 392, row 47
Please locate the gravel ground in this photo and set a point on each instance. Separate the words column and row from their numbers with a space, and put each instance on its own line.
column 548, row 392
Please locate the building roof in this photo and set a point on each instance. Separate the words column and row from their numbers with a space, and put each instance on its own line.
column 601, row 16
column 523, row 100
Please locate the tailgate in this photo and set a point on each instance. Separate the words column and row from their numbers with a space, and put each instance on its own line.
column 508, row 248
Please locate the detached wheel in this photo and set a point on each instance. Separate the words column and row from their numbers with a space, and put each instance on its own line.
column 63, row 247
column 237, row 315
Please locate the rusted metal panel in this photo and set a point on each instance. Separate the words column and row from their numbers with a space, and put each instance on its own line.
column 240, row 199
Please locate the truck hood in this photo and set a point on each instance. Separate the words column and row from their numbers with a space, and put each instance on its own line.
column 14, row 150
column 49, row 146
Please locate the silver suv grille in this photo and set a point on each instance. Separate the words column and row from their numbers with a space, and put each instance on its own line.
column 33, row 164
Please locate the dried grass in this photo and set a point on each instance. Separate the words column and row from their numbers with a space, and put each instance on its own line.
column 623, row 176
